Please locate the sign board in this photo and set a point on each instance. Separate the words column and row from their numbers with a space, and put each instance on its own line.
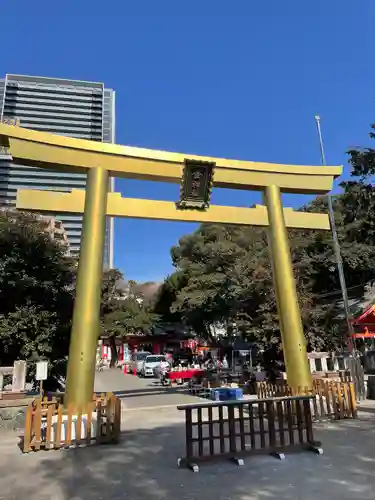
column 41, row 370
column 196, row 185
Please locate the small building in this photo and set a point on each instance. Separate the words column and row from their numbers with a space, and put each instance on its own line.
column 364, row 323
column 156, row 344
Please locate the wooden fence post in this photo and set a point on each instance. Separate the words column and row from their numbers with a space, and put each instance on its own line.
column 28, row 429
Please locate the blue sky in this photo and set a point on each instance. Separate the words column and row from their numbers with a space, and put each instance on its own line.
column 239, row 79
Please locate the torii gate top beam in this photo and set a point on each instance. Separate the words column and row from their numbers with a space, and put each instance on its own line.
column 42, row 149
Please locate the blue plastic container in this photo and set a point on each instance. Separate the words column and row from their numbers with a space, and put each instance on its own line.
column 234, row 394
column 220, row 394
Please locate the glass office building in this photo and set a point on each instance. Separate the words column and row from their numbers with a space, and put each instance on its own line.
column 73, row 108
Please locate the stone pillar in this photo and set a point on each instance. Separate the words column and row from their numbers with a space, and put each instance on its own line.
column 19, row 376
column 324, row 364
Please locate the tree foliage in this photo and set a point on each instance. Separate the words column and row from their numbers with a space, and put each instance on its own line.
column 36, row 295
column 359, row 195
column 224, row 275
column 162, row 302
column 123, row 309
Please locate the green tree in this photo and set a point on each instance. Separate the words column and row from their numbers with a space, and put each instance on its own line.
column 212, row 261
column 163, row 301
column 228, row 279
column 123, row 310
column 36, row 295
column 359, row 195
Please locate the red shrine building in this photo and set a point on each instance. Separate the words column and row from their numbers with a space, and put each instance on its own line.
column 364, row 324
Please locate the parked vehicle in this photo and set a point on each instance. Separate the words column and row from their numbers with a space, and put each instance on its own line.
column 136, row 361
column 150, row 363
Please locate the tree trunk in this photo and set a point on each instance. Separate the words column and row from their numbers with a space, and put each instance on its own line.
column 114, row 355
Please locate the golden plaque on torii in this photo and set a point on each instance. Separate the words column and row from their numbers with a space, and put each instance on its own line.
column 100, row 161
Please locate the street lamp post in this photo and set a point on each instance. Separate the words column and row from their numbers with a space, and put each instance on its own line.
column 336, row 244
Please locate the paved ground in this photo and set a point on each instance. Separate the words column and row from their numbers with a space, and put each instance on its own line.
column 138, row 393
column 143, row 466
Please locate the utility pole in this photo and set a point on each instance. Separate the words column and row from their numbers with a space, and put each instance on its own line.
column 336, row 244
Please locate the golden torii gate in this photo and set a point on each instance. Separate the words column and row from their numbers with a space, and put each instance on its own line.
column 101, row 161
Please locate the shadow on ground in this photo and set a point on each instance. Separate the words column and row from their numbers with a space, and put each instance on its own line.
column 152, row 390
column 367, row 409
column 144, row 467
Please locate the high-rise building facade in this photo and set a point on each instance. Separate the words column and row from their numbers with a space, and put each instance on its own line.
column 66, row 107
